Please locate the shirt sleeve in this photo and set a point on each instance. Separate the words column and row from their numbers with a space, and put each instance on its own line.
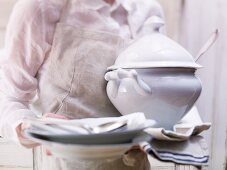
column 26, row 45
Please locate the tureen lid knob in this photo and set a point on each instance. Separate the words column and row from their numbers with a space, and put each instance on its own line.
column 154, row 23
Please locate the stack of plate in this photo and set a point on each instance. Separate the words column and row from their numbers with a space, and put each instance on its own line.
column 76, row 144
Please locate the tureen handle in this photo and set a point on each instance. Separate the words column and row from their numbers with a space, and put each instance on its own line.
column 127, row 81
column 153, row 23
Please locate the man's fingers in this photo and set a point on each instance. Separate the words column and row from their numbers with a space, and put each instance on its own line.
column 48, row 153
column 52, row 115
column 23, row 140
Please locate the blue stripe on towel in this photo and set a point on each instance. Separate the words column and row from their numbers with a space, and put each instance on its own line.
column 189, row 160
column 150, row 151
column 181, row 154
column 184, row 160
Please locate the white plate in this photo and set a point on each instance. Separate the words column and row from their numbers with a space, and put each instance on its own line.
column 124, row 136
column 86, row 152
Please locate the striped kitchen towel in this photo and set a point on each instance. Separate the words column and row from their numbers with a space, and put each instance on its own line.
column 183, row 144
column 191, row 152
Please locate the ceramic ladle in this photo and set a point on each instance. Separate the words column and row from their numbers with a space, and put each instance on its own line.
column 212, row 39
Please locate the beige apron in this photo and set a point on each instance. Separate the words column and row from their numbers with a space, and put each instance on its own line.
column 74, row 85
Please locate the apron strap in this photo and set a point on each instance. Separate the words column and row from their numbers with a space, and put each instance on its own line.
column 64, row 11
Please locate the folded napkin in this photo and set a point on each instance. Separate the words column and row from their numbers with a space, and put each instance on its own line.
column 60, row 126
column 190, row 125
column 193, row 151
column 134, row 121
column 183, row 144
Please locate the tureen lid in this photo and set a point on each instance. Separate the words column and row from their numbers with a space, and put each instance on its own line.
column 154, row 50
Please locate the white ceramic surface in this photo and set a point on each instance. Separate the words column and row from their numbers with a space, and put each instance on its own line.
column 87, row 152
column 154, row 75
column 164, row 95
column 154, row 50
column 116, row 137
column 70, row 131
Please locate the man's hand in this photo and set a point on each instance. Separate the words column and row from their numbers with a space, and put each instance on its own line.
column 23, row 140
column 134, row 156
column 29, row 143
column 53, row 115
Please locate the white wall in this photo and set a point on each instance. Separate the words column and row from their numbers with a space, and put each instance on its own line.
column 199, row 19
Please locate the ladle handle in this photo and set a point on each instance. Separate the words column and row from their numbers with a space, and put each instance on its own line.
column 208, row 44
